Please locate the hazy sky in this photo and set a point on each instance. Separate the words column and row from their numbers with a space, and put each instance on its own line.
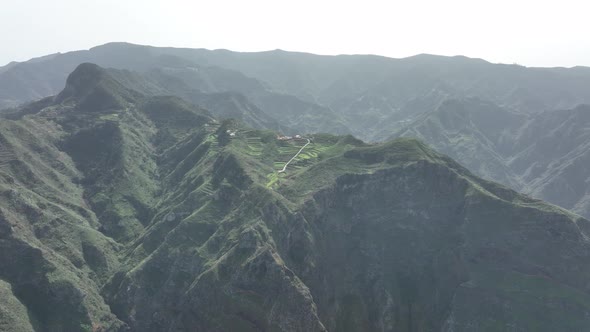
column 528, row 32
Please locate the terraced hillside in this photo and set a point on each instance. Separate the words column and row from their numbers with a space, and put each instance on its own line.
column 125, row 212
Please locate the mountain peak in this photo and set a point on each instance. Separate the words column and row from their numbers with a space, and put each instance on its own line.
column 94, row 89
column 85, row 77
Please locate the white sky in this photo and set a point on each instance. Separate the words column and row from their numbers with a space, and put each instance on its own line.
column 528, row 32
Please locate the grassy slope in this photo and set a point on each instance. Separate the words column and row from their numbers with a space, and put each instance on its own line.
column 52, row 254
column 77, row 185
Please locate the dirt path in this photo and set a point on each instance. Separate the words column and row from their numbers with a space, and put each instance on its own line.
column 295, row 156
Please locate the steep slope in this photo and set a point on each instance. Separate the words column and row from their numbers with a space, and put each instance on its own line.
column 53, row 258
column 78, row 176
column 552, row 155
column 474, row 132
column 144, row 213
column 542, row 154
column 353, row 238
column 223, row 105
column 286, row 110
column 229, row 94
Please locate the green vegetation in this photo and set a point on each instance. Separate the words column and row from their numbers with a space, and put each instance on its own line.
column 13, row 314
column 152, row 216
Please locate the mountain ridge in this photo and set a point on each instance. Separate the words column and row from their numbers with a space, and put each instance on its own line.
column 328, row 70
column 527, row 152
column 152, row 215
column 371, row 98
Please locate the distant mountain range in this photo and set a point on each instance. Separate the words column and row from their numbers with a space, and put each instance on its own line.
column 369, row 95
column 523, row 127
column 125, row 210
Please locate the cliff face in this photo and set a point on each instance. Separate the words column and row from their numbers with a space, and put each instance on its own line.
column 422, row 248
column 151, row 216
column 388, row 249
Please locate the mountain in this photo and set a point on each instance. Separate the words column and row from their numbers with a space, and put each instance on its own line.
column 543, row 154
column 368, row 96
column 126, row 211
column 224, row 105
column 163, row 72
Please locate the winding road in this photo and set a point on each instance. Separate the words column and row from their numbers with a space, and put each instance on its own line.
column 295, row 156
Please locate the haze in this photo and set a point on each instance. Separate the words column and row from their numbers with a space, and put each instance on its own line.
column 531, row 33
